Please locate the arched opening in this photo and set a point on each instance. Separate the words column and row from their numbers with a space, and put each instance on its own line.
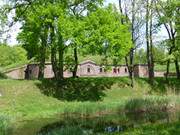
column 89, row 69
column 101, row 70
column 114, row 70
column 125, row 70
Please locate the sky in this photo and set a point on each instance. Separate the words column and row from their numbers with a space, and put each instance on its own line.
column 13, row 33
column 16, row 28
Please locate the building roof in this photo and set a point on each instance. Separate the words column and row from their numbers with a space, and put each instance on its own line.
column 88, row 62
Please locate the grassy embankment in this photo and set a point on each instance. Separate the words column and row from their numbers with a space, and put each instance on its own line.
column 26, row 100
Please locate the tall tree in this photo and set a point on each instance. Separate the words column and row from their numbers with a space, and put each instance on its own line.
column 149, row 42
column 167, row 12
column 106, row 35
column 77, row 10
column 132, row 17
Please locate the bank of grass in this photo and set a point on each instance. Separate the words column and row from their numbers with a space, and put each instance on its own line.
column 155, row 129
column 24, row 100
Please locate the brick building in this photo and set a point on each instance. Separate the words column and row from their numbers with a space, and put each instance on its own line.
column 86, row 68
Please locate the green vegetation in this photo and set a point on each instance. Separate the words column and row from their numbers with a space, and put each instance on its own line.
column 64, row 32
column 100, row 59
column 2, row 76
column 4, row 125
column 156, row 129
column 11, row 57
column 159, row 67
column 25, row 100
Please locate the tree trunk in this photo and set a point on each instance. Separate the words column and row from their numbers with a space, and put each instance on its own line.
column 42, row 54
column 130, row 61
column 121, row 11
column 177, row 69
column 130, row 70
column 61, row 58
column 54, row 62
column 148, row 42
column 168, row 64
column 53, row 53
column 42, row 64
column 76, row 63
column 151, row 68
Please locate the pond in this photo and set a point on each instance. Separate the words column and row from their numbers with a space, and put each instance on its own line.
column 75, row 124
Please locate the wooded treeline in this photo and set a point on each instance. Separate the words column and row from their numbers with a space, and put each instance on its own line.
column 64, row 29
column 147, row 17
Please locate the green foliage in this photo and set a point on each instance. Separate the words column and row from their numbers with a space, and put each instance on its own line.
column 2, row 76
column 159, row 54
column 163, row 67
column 168, row 16
column 106, row 35
column 23, row 100
column 12, row 55
column 140, row 56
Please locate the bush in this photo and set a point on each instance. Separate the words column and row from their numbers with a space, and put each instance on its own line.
column 3, row 76
column 12, row 55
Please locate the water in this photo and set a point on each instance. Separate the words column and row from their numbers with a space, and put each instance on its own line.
column 97, row 125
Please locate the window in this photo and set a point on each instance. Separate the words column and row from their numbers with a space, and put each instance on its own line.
column 89, row 70
column 114, row 70
column 100, row 70
column 125, row 70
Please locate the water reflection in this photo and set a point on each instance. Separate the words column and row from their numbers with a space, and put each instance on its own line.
column 135, row 113
column 103, row 124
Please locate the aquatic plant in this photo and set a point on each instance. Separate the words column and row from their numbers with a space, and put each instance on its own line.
column 3, row 125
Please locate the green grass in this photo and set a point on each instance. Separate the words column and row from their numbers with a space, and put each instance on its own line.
column 12, row 66
column 24, row 100
column 155, row 129
column 159, row 67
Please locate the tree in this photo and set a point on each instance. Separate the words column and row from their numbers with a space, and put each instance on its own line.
column 3, row 20
column 149, row 42
column 77, row 12
column 50, row 28
column 106, row 35
column 132, row 16
column 34, row 35
column 168, row 11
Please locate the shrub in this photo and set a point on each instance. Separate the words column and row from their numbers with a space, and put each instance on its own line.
column 11, row 55
column 2, row 76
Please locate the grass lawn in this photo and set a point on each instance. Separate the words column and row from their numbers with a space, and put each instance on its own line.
column 159, row 67
column 27, row 100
